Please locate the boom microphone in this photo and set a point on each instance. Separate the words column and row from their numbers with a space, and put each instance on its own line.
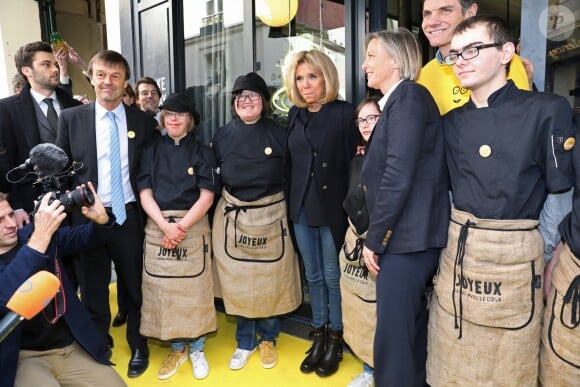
column 28, row 300
column 48, row 159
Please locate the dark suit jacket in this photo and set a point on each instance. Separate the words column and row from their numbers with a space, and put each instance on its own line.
column 76, row 136
column 19, row 133
column 405, row 175
column 338, row 137
column 29, row 261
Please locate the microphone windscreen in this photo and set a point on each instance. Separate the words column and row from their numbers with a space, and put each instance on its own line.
column 34, row 294
column 48, row 159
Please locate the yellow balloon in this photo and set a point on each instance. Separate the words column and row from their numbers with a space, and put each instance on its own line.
column 276, row 13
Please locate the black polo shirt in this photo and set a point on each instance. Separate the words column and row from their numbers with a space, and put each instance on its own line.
column 250, row 157
column 176, row 172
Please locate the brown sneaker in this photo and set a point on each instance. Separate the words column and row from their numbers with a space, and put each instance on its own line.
column 268, row 356
column 171, row 364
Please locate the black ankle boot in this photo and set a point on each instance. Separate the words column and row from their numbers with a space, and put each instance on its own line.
column 316, row 352
column 329, row 362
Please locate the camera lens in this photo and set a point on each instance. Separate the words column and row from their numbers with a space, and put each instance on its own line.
column 77, row 198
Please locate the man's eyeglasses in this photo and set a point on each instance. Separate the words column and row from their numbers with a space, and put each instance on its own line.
column 371, row 119
column 468, row 53
column 251, row 97
column 179, row 115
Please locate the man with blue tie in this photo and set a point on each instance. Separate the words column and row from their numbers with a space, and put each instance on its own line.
column 108, row 137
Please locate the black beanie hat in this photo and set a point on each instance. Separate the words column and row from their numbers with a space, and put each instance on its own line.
column 181, row 103
column 253, row 82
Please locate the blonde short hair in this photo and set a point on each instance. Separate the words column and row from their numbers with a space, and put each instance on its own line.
column 320, row 63
column 402, row 46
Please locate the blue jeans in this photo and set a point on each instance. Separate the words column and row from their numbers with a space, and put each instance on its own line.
column 247, row 330
column 322, row 272
column 194, row 344
column 367, row 368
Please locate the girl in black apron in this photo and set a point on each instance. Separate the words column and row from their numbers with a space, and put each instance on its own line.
column 357, row 285
column 256, row 264
column 177, row 183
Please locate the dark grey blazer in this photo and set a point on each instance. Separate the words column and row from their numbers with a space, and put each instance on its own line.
column 76, row 136
column 19, row 133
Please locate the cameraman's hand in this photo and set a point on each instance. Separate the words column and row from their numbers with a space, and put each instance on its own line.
column 21, row 218
column 96, row 212
column 47, row 220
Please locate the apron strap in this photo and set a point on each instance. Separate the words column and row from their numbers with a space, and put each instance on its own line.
column 572, row 297
column 459, row 262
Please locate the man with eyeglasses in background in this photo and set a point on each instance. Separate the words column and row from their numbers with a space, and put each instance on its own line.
column 440, row 17
column 506, row 149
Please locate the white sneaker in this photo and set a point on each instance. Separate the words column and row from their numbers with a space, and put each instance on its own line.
column 366, row 379
column 240, row 358
column 200, row 365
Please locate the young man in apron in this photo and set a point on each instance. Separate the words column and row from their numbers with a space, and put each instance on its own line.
column 506, row 149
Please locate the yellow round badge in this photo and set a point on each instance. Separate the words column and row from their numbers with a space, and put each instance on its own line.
column 131, row 134
column 569, row 143
column 268, row 151
column 485, row 151
column 190, row 171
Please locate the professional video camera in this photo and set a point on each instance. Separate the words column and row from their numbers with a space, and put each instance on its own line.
column 47, row 165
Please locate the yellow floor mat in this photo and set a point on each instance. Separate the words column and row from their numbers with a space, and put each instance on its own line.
column 218, row 349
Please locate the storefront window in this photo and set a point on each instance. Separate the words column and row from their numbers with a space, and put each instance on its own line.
column 217, row 48
column 213, row 31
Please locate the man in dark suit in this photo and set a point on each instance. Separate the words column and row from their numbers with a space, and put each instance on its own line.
column 26, row 119
column 108, row 137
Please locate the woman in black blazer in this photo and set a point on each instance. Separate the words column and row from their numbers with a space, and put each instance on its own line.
column 404, row 177
column 322, row 139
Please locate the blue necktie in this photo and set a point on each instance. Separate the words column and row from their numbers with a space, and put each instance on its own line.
column 117, row 197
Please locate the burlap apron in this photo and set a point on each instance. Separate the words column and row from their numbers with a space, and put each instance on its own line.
column 358, row 288
column 255, row 259
column 485, row 315
column 560, row 348
column 178, row 299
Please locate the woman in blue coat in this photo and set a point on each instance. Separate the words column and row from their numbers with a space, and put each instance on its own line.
column 404, row 177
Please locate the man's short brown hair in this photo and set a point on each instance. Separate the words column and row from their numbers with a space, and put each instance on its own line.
column 110, row 57
column 25, row 54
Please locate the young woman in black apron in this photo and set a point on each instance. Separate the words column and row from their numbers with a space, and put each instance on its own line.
column 357, row 284
column 177, row 183
column 256, row 264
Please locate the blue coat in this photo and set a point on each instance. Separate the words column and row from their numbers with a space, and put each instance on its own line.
column 29, row 261
column 326, row 168
column 405, row 176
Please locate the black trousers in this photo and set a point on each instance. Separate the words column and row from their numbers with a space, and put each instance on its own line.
column 400, row 347
column 125, row 248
